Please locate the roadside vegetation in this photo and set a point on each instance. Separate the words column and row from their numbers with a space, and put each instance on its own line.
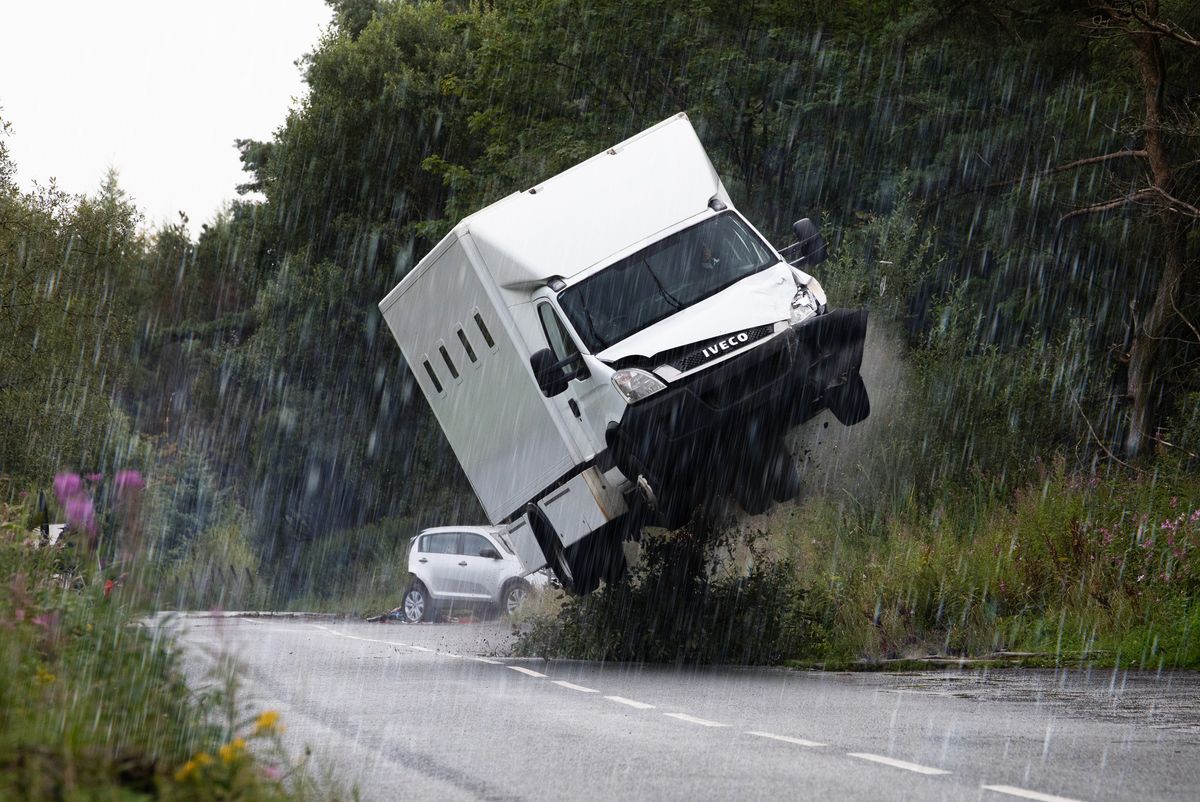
column 93, row 705
column 1012, row 189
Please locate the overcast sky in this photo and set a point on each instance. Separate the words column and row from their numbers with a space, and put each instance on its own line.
column 158, row 89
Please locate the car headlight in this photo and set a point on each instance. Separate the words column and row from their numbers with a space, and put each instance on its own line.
column 634, row 384
column 804, row 305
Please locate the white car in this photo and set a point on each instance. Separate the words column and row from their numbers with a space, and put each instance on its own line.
column 465, row 566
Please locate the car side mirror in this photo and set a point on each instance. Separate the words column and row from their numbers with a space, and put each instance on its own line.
column 491, row 554
column 809, row 242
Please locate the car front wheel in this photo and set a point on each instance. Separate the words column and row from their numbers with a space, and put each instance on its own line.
column 417, row 606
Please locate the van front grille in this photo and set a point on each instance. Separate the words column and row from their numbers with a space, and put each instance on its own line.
column 710, row 350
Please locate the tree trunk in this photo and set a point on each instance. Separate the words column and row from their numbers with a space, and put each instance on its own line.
column 1149, row 329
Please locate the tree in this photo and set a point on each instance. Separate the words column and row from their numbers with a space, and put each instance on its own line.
column 1170, row 143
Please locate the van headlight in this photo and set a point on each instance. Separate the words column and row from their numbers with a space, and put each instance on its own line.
column 634, row 384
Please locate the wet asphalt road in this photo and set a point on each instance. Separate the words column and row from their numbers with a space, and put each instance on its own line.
column 437, row 711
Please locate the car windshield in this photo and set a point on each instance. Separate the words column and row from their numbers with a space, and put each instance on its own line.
column 657, row 281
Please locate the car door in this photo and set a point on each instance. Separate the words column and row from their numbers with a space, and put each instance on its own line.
column 439, row 559
column 480, row 575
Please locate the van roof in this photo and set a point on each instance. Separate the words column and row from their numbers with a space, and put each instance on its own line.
column 597, row 208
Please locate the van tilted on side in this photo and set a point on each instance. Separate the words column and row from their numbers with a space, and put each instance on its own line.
column 609, row 348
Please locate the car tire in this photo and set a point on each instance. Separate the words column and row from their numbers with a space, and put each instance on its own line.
column 513, row 596
column 417, row 605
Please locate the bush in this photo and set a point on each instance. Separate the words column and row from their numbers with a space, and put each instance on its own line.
column 94, row 706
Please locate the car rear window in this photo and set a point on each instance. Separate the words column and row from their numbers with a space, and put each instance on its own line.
column 440, row 543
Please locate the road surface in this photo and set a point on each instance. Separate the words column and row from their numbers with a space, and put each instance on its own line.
column 439, row 712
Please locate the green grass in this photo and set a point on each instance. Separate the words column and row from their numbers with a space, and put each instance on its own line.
column 1071, row 568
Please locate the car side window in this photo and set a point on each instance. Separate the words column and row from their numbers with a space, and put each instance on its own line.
column 474, row 544
column 441, row 543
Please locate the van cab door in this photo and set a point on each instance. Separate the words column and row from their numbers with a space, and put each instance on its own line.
column 567, row 402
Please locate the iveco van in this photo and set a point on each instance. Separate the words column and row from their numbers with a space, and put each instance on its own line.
column 609, row 348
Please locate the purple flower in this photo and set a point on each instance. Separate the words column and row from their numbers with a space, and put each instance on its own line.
column 94, row 477
column 81, row 513
column 67, row 486
column 128, row 480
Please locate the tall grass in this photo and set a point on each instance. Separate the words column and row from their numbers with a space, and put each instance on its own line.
column 93, row 704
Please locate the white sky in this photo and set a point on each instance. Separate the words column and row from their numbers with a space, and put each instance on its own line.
column 158, row 89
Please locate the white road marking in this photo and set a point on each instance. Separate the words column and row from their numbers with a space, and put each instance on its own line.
column 703, row 722
column 489, row 662
column 528, row 671
column 1024, row 794
column 621, row 700
column 572, row 686
column 785, row 739
column 899, row 764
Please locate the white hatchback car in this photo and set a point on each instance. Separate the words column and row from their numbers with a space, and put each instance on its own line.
column 465, row 566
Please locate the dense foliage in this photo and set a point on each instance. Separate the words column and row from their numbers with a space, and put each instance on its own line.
column 1012, row 188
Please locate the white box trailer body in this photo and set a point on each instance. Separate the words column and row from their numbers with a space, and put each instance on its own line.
column 533, row 391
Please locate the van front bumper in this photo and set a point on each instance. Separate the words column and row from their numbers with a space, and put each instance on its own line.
column 719, row 422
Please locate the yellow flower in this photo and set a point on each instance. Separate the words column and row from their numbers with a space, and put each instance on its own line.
column 268, row 722
column 232, row 750
column 188, row 769
column 43, row 676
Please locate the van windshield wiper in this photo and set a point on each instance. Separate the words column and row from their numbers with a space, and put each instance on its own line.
column 670, row 298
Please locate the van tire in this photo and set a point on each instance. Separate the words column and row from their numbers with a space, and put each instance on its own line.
column 599, row 556
column 774, row 479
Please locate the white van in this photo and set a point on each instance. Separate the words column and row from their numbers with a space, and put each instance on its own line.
column 609, row 348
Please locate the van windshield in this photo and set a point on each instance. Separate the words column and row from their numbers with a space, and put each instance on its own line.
column 657, row 281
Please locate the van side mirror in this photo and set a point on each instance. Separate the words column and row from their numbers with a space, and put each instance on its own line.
column 809, row 242
column 548, row 372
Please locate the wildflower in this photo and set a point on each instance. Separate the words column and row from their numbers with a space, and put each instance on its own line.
column 94, row 478
column 267, row 722
column 108, row 587
column 81, row 513
column 202, row 759
column 232, row 750
column 128, row 481
column 67, row 486
column 43, row 676
column 186, row 771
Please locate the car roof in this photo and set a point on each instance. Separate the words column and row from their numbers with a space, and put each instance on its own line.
column 482, row 530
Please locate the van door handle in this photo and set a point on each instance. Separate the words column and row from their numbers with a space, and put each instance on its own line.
column 422, row 560
column 464, row 562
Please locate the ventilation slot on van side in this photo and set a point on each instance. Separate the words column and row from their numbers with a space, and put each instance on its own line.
column 483, row 329
column 466, row 344
column 449, row 364
column 437, row 385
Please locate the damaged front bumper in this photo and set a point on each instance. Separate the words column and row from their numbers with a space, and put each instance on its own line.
column 720, row 421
